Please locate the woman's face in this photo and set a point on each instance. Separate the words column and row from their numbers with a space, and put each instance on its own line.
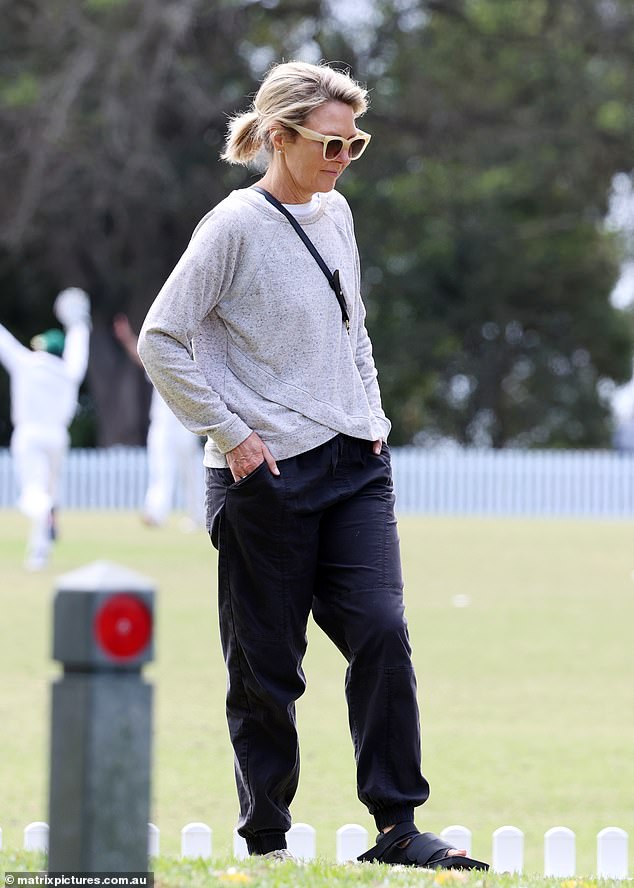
column 304, row 159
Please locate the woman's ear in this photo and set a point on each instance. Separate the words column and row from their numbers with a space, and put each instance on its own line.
column 277, row 139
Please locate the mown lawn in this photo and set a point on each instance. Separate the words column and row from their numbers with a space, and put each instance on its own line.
column 522, row 637
column 257, row 873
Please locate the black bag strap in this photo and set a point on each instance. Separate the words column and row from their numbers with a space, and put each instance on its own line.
column 331, row 276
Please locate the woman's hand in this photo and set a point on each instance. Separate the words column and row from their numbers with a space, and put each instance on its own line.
column 246, row 457
column 376, row 447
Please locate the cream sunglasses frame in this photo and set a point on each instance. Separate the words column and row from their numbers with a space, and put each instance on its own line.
column 314, row 136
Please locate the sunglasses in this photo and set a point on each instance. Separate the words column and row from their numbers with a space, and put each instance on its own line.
column 334, row 145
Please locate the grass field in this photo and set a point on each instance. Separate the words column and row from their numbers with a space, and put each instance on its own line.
column 527, row 693
column 170, row 872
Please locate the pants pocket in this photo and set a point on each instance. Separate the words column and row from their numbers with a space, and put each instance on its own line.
column 217, row 482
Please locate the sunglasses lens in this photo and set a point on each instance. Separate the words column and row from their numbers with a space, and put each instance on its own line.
column 333, row 149
column 356, row 148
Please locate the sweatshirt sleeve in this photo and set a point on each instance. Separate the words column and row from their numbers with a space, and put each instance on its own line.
column 12, row 352
column 365, row 361
column 367, row 370
column 203, row 274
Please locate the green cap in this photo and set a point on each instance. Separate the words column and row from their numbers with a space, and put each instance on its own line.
column 51, row 341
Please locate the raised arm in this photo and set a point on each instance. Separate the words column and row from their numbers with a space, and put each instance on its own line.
column 76, row 351
column 72, row 309
column 127, row 337
column 11, row 351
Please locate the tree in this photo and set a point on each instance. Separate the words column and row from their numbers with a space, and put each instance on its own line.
column 497, row 126
column 115, row 113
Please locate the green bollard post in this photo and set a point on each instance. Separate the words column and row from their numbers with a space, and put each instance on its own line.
column 100, row 754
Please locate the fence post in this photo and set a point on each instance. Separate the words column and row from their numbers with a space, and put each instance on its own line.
column 101, row 721
column 559, row 852
column 458, row 836
column 301, row 840
column 36, row 836
column 612, row 853
column 508, row 850
column 352, row 840
column 240, row 850
column 196, row 840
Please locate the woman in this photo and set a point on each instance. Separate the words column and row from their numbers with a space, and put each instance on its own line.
column 248, row 345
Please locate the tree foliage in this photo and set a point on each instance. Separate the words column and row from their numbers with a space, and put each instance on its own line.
column 504, row 123
column 497, row 127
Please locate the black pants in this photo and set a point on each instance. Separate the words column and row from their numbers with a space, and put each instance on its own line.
column 321, row 537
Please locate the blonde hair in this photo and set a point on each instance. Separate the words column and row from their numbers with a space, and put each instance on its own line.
column 289, row 92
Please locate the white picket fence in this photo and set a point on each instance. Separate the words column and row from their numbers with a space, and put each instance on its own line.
column 507, row 852
column 452, row 482
column 515, row 482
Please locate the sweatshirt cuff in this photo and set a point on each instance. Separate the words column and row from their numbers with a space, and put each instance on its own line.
column 386, row 424
column 230, row 434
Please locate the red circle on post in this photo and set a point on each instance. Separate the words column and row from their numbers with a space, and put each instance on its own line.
column 123, row 626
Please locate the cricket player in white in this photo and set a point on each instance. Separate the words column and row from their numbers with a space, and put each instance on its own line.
column 44, row 393
column 174, row 459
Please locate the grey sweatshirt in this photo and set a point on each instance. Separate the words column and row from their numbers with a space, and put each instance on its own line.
column 246, row 334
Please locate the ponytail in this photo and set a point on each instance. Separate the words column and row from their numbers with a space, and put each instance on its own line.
column 244, row 139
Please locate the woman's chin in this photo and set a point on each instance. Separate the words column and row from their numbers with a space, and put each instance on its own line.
column 329, row 182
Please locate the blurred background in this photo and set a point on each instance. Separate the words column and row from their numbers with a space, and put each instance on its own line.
column 494, row 209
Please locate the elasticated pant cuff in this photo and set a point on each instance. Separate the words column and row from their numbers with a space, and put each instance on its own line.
column 263, row 842
column 391, row 816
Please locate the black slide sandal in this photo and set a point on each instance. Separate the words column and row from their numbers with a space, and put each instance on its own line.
column 423, row 849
